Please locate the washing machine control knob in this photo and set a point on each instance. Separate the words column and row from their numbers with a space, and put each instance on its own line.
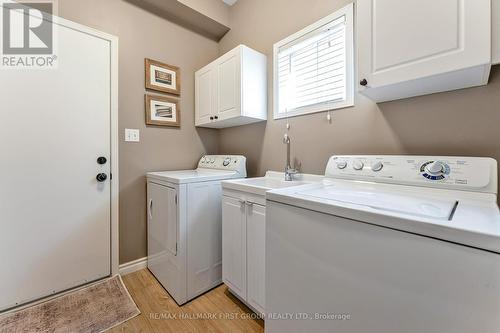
column 357, row 165
column 377, row 166
column 341, row 164
column 436, row 168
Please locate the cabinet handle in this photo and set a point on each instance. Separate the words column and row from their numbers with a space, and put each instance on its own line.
column 211, row 118
column 363, row 82
column 216, row 117
column 150, row 208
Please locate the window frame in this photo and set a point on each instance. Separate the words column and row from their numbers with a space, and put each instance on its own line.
column 348, row 12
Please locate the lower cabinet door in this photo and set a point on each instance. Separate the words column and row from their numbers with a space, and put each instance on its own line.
column 234, row 265
column 256, row 255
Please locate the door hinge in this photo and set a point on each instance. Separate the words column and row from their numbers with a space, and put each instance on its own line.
column 110, row 176
column 176, row 201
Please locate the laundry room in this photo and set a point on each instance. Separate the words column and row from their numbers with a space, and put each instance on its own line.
column 250, row 166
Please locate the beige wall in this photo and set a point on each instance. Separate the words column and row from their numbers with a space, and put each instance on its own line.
column 144, row 35
column 462, row 122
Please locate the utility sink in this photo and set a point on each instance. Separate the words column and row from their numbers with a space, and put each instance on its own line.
column 260, row 185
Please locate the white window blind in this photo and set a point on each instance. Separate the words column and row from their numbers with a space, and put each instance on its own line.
column 312, row 70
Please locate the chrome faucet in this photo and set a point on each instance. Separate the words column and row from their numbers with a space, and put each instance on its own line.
column 289, row 171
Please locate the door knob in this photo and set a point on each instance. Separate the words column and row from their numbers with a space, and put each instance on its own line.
column 101, row 177
column 363, row 82
column 101, row 160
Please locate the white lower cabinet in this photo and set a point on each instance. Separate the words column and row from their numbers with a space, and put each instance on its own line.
column 234, row 243
column 243, row 250
column 256, row 255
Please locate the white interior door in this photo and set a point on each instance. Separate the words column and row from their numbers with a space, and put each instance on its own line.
column 54, row 214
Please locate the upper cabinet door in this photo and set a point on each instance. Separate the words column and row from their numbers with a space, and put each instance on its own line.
column 229, row 85
column 204, row 95
column 401, row 41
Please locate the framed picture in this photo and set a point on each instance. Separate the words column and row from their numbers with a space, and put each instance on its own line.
column 162, row 77
column 162, row 111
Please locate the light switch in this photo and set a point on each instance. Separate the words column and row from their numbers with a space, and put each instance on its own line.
column 131, row 135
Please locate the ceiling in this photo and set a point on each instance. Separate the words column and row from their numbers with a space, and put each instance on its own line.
column 179, row 13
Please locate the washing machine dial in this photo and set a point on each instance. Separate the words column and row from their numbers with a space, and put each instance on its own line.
column 377, row 166
column 341, row 164
column 435, row 170
column 357, row 165
column 226, row 162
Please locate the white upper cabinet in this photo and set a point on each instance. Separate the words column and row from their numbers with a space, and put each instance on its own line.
column 495, row 37
column 232, row 90
column 412, row 48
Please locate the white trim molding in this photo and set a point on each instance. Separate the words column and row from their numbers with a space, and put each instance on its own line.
column 133, row 266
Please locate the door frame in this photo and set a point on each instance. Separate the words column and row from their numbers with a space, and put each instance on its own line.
column 114, row 131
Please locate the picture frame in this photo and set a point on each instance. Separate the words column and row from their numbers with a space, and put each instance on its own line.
column 162, row 111
column 162, row 77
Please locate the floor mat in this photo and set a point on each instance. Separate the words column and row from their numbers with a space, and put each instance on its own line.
column 93, row 309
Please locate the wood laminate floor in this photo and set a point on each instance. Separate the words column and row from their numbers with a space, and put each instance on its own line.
column 215, row 311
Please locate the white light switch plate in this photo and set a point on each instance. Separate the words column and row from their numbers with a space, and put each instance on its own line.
column 131, row 135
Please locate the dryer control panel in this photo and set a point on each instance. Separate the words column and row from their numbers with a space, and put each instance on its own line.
column 224, row 162
column 477, row 174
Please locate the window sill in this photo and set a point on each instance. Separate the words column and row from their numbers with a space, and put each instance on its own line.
column 313, row 109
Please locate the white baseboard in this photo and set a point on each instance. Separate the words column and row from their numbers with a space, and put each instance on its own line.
column 133, row 266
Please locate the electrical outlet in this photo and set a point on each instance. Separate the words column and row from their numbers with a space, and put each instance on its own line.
column 131, row 135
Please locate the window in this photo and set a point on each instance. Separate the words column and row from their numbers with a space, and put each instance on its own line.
column 313, row 68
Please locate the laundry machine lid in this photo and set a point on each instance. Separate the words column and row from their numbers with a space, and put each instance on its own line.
column 192, row 176
column 383, row 200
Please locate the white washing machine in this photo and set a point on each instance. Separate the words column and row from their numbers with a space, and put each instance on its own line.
column 185, row 225
column 386, row 244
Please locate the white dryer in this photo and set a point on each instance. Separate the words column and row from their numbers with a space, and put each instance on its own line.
column 386, row 244
column 185, row 225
